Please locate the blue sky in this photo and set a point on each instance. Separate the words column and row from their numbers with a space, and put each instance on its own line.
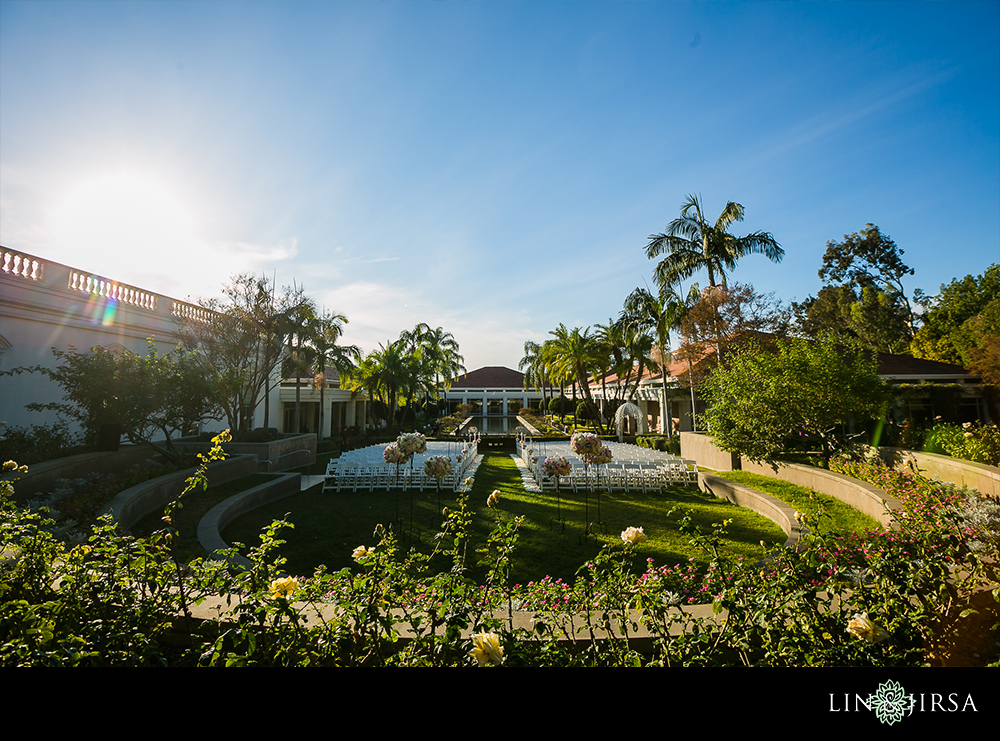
column 493, row 168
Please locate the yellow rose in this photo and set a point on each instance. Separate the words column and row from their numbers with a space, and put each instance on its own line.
column 487, row 649
column 493, row 499
column 633, row 535
column 861, row 626
column 361, row 553
column 284, row 587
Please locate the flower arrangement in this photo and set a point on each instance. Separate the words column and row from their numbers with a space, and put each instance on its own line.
column 412, row 442
column 557, row 466
column 585, row 444
column 588, row 446
column 601, row 457
column 394, row 454
column 437, row 466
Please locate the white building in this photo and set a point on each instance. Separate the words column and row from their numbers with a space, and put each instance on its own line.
column 45, row 305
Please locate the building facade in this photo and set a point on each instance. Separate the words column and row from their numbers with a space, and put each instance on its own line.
column 46, row 305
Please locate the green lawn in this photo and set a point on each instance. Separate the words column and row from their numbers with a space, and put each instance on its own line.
column 839, row 517
column 328, row 527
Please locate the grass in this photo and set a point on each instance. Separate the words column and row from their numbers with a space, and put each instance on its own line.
column 843, row 518
column 328, row 527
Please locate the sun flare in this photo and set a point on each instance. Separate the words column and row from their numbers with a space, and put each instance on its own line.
column 125, row 220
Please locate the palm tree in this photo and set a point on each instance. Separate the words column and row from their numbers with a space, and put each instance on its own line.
column 434, row 356
column 326, row 331
column 297, row 322
column 382, row 374
column 659, row 314
column 439, row 353
column 577, row 355
column 533, row 365
column 690, row 244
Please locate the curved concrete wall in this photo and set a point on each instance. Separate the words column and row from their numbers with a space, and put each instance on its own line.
column 214, row 522
column 864, row 497
column 138, row 501
column 763, row 504
column 986, row 479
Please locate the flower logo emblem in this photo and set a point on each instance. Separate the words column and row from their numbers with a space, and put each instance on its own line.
column 890, row 702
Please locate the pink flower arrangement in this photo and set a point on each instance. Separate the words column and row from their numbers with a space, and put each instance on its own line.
column 412, row 442
column 556, row 466
column 394, row 454
column 437, row 466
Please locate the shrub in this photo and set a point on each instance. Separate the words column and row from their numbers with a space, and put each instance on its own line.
column 970, row 442
column 37, row 443
column 663, row 443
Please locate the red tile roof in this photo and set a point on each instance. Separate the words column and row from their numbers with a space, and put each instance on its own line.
column 493, row 377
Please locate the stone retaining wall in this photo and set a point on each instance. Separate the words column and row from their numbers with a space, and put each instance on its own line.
column 864, row 497
column 41, row 477
column 214, row 522
column 984, row 478
column 138, row 501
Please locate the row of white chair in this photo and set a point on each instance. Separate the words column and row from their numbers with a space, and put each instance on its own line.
column 355, row 478
column 622, row 477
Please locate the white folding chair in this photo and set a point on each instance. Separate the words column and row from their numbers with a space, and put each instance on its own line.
column 330, row 477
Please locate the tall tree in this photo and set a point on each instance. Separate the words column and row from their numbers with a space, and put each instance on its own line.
column 384, row 374
column 691, row 244
column 870, row 259
column 299, row 320
column 867, row 317
column 723, row 320
column 325, row 335
column 239, row 340
column 439, row 356
column 533, row 365
column 661, row 313
column 949, row 326
column 577, row 356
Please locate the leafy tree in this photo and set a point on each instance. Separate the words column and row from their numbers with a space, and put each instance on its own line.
column 870, row 259
column 239, row 340
column 867, row 317
column 721, row 321
column 140, row 397
column 961, row 317
column 691, row 244
column 761, row 396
